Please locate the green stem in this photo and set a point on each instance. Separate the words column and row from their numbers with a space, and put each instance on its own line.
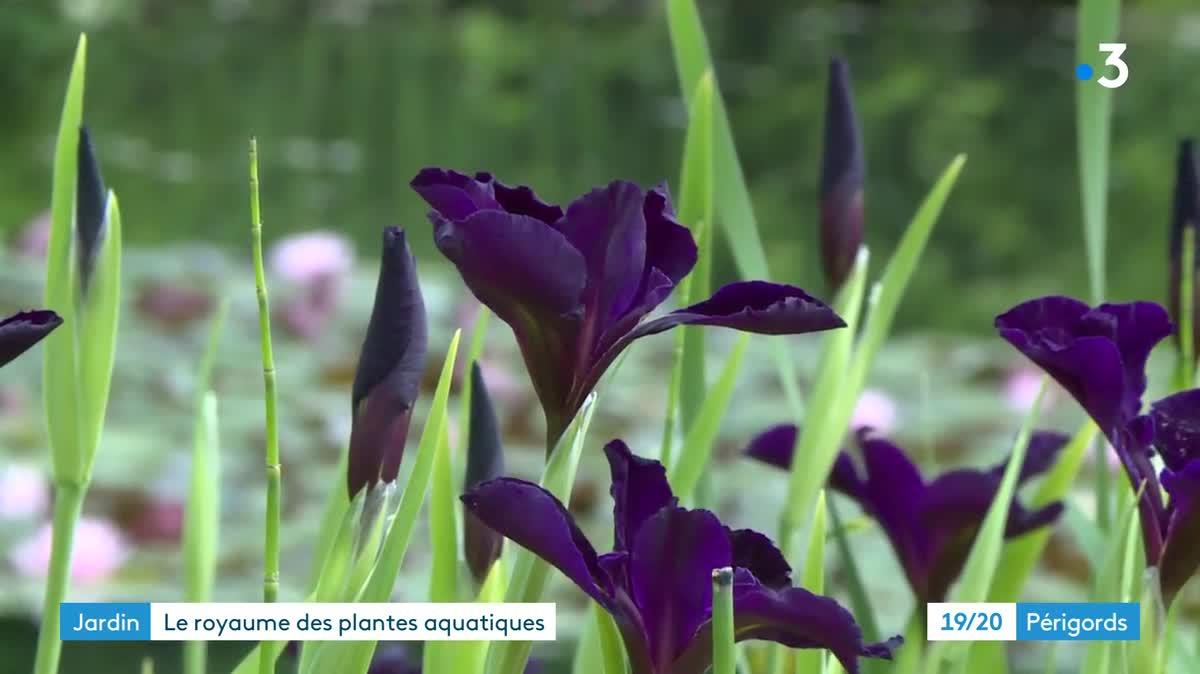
column 274, row 487
column 724, row 648
column 68, row 504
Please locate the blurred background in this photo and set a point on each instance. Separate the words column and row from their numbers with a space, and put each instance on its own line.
column 349, row 98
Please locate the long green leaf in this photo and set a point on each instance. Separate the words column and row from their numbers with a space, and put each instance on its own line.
column 984, row 558
column 61, row 388
column 1186, row 368
column 443, row 535
column 812, row 661
column 612, row 649
column 96, row 321
column 884, row 302
column 831, row 376
column 201, row 522
column 354, row 657
column 530, row 572
column 1098, row 23
column 1100, row 656
column 730, row 193
column 698, row 445
column 696, row 206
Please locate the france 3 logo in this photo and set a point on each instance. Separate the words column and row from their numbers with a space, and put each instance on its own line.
column 1084, row 71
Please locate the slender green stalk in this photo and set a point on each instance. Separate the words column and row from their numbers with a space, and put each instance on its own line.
column 724, row 648
column 1187, row 310
column 274, row 486
column 68, row 504
column 863, row 612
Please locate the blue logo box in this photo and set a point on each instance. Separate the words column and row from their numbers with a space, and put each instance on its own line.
column 104, row 622
column 1079, row 622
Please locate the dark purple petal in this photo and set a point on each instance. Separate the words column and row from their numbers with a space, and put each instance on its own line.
column 639, row 490
column 1181, row 554
column 892, row 492
column 532, row 278
column 842, row 172
column 19, row 332
column 752, row 306
column 1177, row 428
column 671, row 567
column 960, row 499
column 521, row 200
column 774, row 446
column 608, row 227
column 670, row 247
column 1098, row 355
column 531, row 517
column 798, row 618
column 845, row 479
column 454, row 195
column 390, row 366
column 1040, row 455
column 758, row 555
column 485, row 460
column 394, row 659
column 91, row 206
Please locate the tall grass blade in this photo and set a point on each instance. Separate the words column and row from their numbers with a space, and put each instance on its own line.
column 354, row 657
column 811, row 469
column 1109, row 584
column 530, row 572
column 980, row 569
column 1098, row 23
column 201, row 522
column 812, row 661
column 698, row 445
column 827, row 386
column 1021, row 555
column 1187, row 312
column 443, row 535
column 612, row 649
column 730, row 194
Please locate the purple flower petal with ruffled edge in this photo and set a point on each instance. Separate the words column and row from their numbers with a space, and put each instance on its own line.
column 659, row 590
column 1098, row 355
column 793, row 617
column 575, row 285
column 1177, row 428
column 1181, row 554
column 19, row 332
column 752, row 306
column 532, row 518
column 758, row 555
column 639, row 490
column 670, row 573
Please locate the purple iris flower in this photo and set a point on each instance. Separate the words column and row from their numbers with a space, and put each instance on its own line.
column 1186, row 213
column 657, row 582
column 1099, row 355
column 574, row 285
column 931, row 525
column 19, row 332
column 842, row 174
column 389, row 371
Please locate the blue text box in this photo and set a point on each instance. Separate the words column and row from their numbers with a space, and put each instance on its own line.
column 107, row 621
column 1079, row 622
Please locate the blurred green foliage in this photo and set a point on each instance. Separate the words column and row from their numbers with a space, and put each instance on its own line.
column 350, row 99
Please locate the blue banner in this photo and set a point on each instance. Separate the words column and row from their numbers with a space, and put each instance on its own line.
column 1079, row 622
column 104, row 622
